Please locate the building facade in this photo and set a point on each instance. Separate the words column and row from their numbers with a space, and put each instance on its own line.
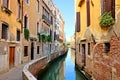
column 10, row 34
column 97, row 48
column 22, row 25
column 32, row 21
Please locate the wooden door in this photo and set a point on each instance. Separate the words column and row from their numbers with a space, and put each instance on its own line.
column 11, row 57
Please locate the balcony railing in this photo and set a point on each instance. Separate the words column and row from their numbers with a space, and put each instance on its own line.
column 46, row 19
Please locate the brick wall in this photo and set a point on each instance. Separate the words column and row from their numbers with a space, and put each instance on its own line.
column 101, row 65
column 107, row 66
column 36, row 67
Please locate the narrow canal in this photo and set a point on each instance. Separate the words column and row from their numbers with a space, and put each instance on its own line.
column 62, row 68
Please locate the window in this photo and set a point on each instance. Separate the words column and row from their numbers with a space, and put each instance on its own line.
column 54, row 36
column 50, row 32
column 38, row 29
column 4, row 31
column 78, row 22
column 108, row 6
column 27, row 1
column 38, row 49
column 79, row 47
column 6, row 3
column 25, row 50
column 88, row 48
column 19, row 7
column 84, row 54
column 51, row 20
column 113, row 8
column 25, row 22
column 102, row 6
column 38, row 6
column 88, row 12
column 107, row 47
column 18, row 35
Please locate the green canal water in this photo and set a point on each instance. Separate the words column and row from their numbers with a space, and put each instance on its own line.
column 62, row 68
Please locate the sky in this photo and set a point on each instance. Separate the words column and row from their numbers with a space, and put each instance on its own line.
column 66, row 7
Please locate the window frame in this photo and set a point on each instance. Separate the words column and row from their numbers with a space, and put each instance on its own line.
column 5, row 5
column 19, row 10
column 27, row 23
column 38, row 6
column 4, row 34
column 18, row 39
column 88, row 12
column 89, row 49
column 38, row 28
column 25, row 52
column 27, row 2
column 38, row 49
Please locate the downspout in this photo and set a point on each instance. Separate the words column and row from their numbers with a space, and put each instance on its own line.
column 22, row 19
column 22, row 30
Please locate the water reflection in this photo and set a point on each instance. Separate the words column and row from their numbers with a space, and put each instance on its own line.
column 61, row 69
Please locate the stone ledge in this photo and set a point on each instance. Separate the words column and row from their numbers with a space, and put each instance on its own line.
column 27, row 75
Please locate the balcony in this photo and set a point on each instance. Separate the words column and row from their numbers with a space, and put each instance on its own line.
column 46, row 20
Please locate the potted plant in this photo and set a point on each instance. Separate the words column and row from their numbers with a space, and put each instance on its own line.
column 106, row 20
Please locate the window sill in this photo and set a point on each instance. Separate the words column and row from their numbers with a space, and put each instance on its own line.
column 6, row 10
column 4, row 40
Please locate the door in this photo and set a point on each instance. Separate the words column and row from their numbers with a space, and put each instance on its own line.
column 32, row 51
column 12, row 57
column 83, row 55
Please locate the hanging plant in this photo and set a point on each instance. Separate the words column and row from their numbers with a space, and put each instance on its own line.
column 49, row 39
column 106, row 20
column 26, row 34
column 44, row 38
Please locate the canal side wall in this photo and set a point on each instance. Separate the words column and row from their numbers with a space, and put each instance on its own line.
column 33, row 67
column 106, row 66
column 101, row 65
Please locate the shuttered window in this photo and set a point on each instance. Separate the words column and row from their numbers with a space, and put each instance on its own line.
column 88, row 12
column 4, row 31
column 19, row 8
column 25, row 21
column 25, row 51
column 113, row 8
column 108, row 6
column 78, row 22
column 5, row 3
column 18, row 35
column 38, row 49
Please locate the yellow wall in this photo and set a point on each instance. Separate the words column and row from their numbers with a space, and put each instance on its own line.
column 11, row 19
column 95, row 13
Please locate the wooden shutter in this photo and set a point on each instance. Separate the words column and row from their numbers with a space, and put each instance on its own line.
column 5, row 3
column 108, row 5
column 88, row 12
column 78, row 22
column 113, row 8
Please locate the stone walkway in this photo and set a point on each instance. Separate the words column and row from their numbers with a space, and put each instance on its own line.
column 13, row 74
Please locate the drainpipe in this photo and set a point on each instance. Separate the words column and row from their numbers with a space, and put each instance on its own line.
column 22, row 30
column 22, row 18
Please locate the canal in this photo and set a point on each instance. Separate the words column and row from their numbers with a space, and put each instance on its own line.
column 62, row 68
